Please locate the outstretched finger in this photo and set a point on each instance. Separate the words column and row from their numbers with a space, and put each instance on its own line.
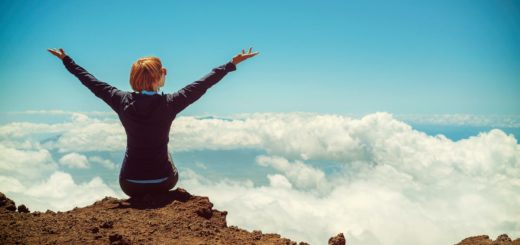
column 250, row 55
column 62, row 52
column 52, row 51
column 250, row 49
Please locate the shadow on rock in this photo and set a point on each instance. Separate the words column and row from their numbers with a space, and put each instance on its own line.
column 154, row 201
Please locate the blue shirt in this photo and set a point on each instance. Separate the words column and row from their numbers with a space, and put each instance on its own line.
column 148, row 92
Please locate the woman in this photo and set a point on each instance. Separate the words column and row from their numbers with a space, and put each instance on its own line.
column 147, row 116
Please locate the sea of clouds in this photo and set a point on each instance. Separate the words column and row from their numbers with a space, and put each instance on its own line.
column 395, row 184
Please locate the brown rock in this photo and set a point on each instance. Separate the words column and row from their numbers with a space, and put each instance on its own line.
column 107, row 224
column 23, row 209
column 204, row 212
column 7, row 203
column 503, row 238
column 117, row 239
column 485, row 240
column 337, row 240
column 175, row 217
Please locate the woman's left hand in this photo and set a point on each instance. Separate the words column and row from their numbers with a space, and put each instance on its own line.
column 243, row 56
column 60, row 54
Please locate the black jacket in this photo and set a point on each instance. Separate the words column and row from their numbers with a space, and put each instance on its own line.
column 147, row 118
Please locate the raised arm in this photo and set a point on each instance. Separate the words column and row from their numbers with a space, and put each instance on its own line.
column 110, row 94
column 192, row 92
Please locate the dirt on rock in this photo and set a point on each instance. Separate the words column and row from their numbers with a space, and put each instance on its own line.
column 173, row 218
column 485, row 240
column 337, row 240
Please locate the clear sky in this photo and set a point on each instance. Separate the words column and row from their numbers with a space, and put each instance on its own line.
column 315, row 56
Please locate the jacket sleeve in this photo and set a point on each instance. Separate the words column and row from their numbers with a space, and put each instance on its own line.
column 181, row 99
column 111, row 95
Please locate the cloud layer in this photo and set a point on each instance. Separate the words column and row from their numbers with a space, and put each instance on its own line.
column 394, row 184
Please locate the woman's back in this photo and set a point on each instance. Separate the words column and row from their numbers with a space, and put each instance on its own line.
column 147, row 122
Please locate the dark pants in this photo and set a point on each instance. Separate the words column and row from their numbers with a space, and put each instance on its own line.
column 140, row 189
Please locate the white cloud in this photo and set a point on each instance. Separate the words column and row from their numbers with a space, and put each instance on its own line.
column 23, row 129
column 394, row 179
column 189, row 133
column 60, row 193
column 293, row 135
column 512, row 121
column 62, row 112
column 22, row 144
column 201, row 165
column 92, row 135
column 10, row 184
column 301, row 175
column 279, row 181
column 81, row 134
column 74, row 160
column 103, row 162
column 25, row 164
column 379, row 206
column 391, row 179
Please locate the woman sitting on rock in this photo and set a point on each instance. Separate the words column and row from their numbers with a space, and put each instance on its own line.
column 147, row 116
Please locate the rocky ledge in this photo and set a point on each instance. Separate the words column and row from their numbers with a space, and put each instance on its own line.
column 485, row 240
column 173, row 218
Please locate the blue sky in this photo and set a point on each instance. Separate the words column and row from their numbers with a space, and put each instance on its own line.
column 315, row 56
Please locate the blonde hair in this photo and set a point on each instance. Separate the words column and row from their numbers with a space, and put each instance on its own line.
column 145, row 72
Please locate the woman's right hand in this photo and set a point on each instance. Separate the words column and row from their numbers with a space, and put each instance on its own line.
column 243, row 56
column 60, row 54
